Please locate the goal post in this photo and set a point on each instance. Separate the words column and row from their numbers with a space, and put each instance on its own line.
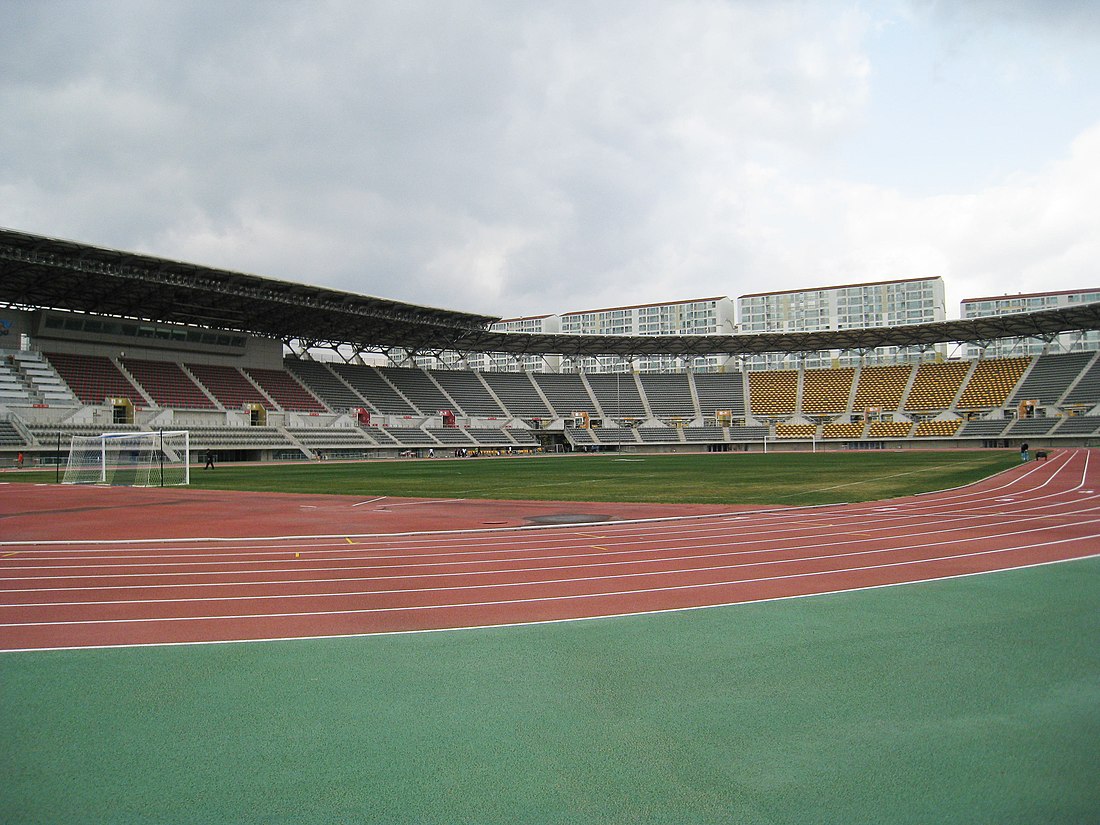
column 133, row 459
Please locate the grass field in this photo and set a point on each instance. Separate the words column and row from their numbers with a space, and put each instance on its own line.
column 717, row 478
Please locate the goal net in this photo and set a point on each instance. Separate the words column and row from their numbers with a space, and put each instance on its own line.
column 145, row 459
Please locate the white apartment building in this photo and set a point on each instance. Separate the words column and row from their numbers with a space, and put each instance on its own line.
column 1078, row 341
column 699, row 316
column 498, row 361
column 533, row 325
column 847, row 306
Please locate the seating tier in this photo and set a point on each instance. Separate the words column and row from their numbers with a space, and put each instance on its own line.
column 773, row 392
column 167, row 384
column 94, row 378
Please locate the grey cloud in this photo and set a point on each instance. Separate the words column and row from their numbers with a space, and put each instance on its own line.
column 511, row 158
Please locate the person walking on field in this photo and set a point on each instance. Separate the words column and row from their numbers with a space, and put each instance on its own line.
column 209, row 460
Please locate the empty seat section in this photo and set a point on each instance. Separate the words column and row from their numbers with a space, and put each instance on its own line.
column 753, row 433
column 660, row 435
column 379, row 435
column 720, row 391
column 703, row 435
column 330, row 437
column 826, row 391
column 941, row 429
column 992, row 382
column 579, row 435
column 774, row 392
column 9, row 436
column 411, row 437
column 12, row 390
column 615, row 435
column 26, row 377
column 882, row 387
column 1050, row 377
column 936, row 385
column 451, row 436
column 669, row 395
column 228, row 385
column 94, row 378
column 48, row 434
column 468, row 392
column 374, row 389
column 168, row 384
column 518, row 394
column 1031, row 426
column 566, row 393
column 491, row 437
column 842, row 430
column 889, row 429
column 795, row 430
column 982, row 428
column 324, row 384
column 1087, row 390
column 416, row 386
column 524, row 438
column 285, row 390
column 617, row 394
column 1079, row 425
column 237, row 438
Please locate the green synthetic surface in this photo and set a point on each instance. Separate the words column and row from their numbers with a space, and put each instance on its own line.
column 971, row 700
column 710, row 478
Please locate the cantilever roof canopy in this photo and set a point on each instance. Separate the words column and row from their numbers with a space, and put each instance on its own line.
column 39, row 273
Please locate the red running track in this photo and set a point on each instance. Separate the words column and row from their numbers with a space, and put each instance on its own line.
column 192, row 590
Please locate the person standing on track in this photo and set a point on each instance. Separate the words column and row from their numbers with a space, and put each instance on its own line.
column 1024, row 454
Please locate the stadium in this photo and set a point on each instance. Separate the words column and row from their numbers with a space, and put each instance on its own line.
column 261, row 370
column 221, row 655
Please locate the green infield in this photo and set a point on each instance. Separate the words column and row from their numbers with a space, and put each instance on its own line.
column 972, row 700
column 800, row 478
column 706, row 478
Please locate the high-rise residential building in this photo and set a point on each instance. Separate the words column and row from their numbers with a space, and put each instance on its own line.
column 847, row 306
column 1080, row 340
column 700, row 316
column 498, row 361
column 533, row 325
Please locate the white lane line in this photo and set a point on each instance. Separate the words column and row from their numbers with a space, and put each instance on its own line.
column 541, row 599
column 446, row 558
column 541, row 582
column 592, row 618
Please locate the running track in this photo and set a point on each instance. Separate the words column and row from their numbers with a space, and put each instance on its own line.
column 63, row 593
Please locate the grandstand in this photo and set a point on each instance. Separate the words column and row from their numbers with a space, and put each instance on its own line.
column 310, row 406
column 251, row 395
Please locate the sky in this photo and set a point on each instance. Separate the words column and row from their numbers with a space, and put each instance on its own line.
column 518, row 158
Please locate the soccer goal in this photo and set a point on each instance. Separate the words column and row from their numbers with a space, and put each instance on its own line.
column 134, row 459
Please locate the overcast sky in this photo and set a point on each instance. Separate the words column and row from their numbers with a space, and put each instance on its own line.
column 520, row 158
